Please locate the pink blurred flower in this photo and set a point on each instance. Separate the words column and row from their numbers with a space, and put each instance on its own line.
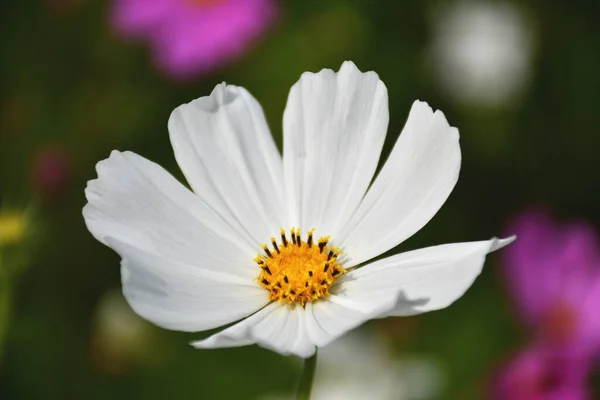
column 50, row 173
column 543, row 373
column 191, row 37
column 553, row 273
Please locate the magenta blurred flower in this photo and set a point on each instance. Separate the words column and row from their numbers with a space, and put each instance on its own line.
column 50, row 173
column 553, row 272
column 543, row 373
column 191, row 37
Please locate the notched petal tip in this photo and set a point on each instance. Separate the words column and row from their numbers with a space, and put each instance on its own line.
column 222, row 95
column 498, row 243
column 422, row 111
column 101, row 168
column 347, row 68
column 423, row 106
column 349, row 64
column 325, row 73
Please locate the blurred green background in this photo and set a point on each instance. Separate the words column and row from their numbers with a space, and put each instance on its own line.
column 71, row 90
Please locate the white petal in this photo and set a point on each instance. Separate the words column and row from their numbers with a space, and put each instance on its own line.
column 421, row 280
column 333, row 316
column 223, row 146
column 179, row 296
column 334, row 127
column 409, row 283
column 136, row 202
column 414, row 183
column 277, row 327
column 238, row 334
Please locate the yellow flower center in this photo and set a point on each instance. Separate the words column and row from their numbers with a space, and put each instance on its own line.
column 297, row 271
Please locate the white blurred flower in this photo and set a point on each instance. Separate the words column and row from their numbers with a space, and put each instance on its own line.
column 119, row 335
column 359, row 366
column 482, row 51
column 194, row 261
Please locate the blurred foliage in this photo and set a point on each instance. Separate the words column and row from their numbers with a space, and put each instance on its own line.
column 68, row 83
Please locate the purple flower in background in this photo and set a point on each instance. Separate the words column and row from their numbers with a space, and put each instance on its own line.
column 50, row 173
column 190, row 37
column 553, row 274
column 543, row 373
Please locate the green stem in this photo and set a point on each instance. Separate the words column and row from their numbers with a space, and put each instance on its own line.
column 306, row 380
column 5, row 309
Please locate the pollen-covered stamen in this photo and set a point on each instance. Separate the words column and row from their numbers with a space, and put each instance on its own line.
column 300, row 272
column 275, row 245
column 266, row 249
column 322, row 243
column 293, row 235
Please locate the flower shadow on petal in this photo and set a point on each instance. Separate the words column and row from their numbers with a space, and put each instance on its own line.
column 407, row 306
column 386, row 300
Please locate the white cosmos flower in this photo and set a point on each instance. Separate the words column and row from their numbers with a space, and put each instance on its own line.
column 189, row 259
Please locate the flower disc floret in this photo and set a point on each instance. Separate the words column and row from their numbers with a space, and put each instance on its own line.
column 297, row 271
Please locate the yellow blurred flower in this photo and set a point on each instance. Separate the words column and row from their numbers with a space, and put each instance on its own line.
column 13, row 227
